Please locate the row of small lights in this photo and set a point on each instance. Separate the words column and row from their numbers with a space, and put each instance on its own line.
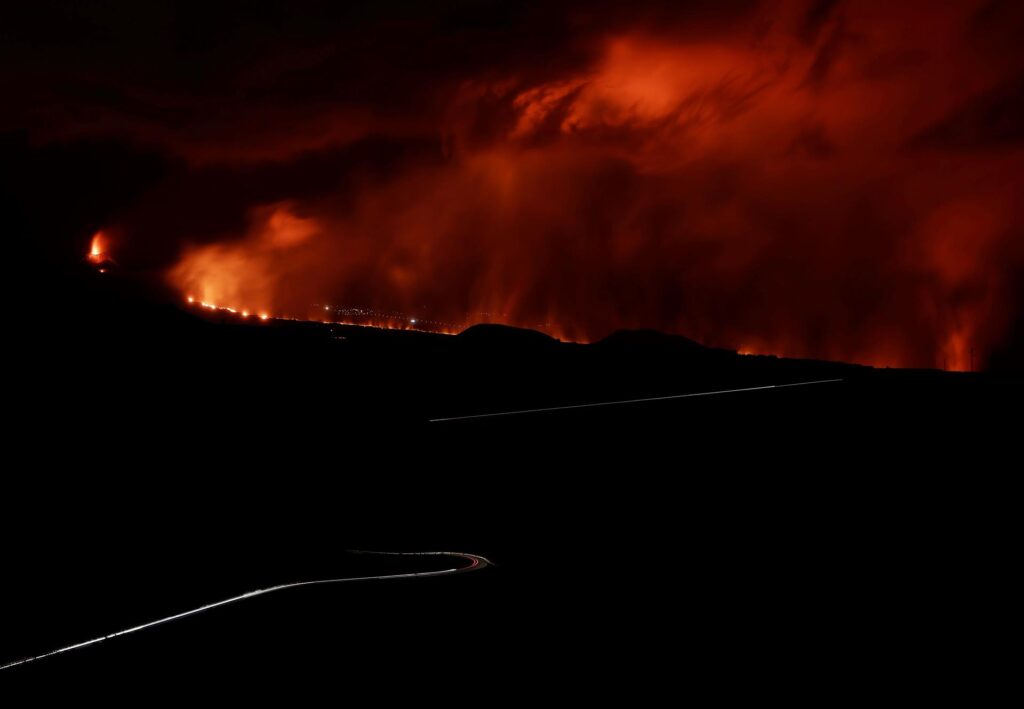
column 394, row 315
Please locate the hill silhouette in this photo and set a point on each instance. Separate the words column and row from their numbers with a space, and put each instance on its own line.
column 209, row 457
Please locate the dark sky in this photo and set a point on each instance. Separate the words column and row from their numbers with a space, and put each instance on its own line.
column 831, row 178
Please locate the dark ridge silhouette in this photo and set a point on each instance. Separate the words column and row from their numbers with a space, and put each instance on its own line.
column 495, row 335
column 229, row 456
column 653, row 340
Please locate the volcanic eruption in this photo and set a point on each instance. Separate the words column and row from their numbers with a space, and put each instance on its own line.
column 99, row 255
column 829, row 179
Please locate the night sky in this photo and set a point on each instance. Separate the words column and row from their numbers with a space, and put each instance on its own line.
column 829, row 178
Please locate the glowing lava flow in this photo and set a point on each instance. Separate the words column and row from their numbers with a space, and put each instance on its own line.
column 475, row 564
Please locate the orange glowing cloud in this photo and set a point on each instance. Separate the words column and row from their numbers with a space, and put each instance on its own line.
column 833, row 180
column 246, row 274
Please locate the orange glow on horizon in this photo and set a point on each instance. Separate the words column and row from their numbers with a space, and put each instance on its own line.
column 956, row 356
column 766, row 190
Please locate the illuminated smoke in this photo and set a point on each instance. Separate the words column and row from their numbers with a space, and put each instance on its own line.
column 251, row 274
column 835, row 180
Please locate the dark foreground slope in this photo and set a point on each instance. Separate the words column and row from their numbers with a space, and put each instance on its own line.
column 814, row 542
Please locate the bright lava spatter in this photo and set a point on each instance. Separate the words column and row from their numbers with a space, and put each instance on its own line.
column 97, row 248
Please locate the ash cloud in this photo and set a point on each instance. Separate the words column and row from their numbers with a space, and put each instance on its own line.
column 831, row 179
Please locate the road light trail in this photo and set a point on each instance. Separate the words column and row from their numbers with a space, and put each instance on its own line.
column 631, row 401
column 476, row 563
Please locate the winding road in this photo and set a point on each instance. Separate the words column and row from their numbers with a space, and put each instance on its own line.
column 476, row 563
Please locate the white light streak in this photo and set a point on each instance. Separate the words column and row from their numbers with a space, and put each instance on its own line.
column 476, row 563
column 630, row 401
